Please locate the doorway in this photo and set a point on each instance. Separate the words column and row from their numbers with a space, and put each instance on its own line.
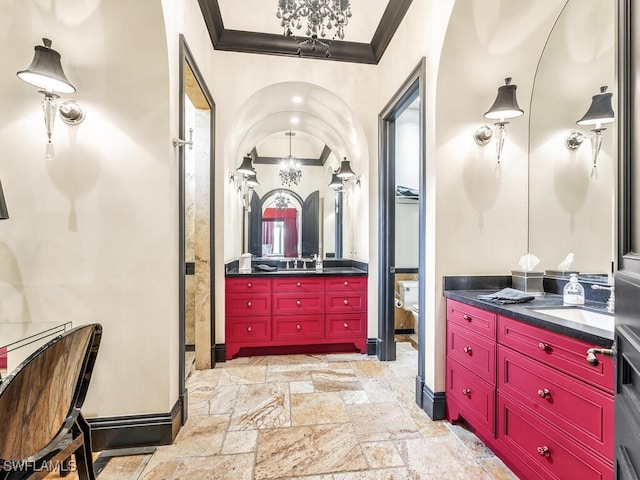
column 196, row 235
column 407, row 102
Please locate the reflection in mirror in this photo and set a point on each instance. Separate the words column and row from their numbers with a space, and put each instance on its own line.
column 569, row 212
column 317, row 206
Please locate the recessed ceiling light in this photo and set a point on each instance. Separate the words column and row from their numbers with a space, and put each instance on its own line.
column 295, row 120
column 297, row 99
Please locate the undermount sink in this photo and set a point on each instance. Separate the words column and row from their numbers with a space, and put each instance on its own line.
column 584, row 317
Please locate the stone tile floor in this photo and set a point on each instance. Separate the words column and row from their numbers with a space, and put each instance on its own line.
column 314, row 417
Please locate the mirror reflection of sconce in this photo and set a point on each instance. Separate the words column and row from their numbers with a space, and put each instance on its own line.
column 600, row 112
column 246, row 177
column 336, row 182
column 346, row 174
column 4, row 213
column 46, row 72
column 504, row 107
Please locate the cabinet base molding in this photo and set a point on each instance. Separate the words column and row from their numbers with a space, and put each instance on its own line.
column 136, row 430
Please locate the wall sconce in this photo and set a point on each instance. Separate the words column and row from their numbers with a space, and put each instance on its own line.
column 600, row 112
column 46, row 72
column 246, row 177
column 504, row 107
column 4, row 213
column 345, row 173
column 336, row 182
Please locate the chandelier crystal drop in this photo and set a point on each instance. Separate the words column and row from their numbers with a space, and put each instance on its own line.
column 290, row 171
column 321, row 16
column 281, row 200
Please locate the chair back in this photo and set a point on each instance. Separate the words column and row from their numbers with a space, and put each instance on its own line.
column 41, row 398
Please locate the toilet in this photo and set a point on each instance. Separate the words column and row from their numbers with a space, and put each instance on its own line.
column 409, row 297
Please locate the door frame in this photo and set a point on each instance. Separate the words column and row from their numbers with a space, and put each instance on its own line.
column 415, row 84
column 185, row 56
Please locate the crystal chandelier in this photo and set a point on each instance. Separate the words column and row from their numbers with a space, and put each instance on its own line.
column 321, row 16
column 290, row 172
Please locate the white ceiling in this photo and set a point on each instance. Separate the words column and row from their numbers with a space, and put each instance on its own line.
column 260, row 16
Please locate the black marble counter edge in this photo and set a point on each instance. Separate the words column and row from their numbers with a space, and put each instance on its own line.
column 343, row 267
column 524, row 311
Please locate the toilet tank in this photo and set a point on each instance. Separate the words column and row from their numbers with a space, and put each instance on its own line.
column 408, row 293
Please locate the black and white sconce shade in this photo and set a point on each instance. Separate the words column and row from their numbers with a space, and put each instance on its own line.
column 336, row 182
column 46, row 73
column 599, row 113
column 504, row 108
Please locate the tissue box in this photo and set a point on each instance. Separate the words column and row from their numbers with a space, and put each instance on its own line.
column 245, row 263
column 527, row 281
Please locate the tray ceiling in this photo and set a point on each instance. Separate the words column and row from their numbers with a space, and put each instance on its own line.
column 370, row 29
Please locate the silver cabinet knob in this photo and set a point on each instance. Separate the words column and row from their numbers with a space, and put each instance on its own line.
column 298, row 284
column 467, row 349
column 346, row 302
column 249, row 329
column 466, row 391
column 466, row 317
column 249, row 285
column 345, row 325
column 544, row 451
column 298, row 327
column 346, row 284
column 249, row 304
column 543, row 346
column 544, row 393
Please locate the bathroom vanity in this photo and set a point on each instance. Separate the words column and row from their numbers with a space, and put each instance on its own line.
column 305, row 311
column 520, row 378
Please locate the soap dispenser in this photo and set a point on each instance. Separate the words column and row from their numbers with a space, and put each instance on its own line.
column 573, row 293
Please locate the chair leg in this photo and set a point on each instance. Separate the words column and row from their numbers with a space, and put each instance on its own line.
column 65, row 467
column 84, row 458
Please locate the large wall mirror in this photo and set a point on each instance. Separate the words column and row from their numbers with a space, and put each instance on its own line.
column 295, row 219
column 568, row 211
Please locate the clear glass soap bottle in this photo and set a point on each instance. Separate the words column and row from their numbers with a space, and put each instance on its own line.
column 573, row 293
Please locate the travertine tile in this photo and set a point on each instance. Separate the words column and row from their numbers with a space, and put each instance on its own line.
column 200, row 436
column 471, row 442
column 159, row 469
column 243, row 376
column 440, row 457
column 382, row 454
column 381, row 421
column 377, row 390
column 261, row 406
column 220, row 467
column 242, row 441
column 223, row 399
column 398, row 473
column 497, row 469
column 355, row 397
column 308, row 450
column 368, row 368
column 301, row 387
column 317, row 408
column 125, row 468
column 336, row 379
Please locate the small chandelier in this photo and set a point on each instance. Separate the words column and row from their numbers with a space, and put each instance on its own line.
column 290, row 172
column 321, row 16
column 281, row 200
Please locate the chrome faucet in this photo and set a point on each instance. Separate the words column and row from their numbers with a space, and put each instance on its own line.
column 611, row 302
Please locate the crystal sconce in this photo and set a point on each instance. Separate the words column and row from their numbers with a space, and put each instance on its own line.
column 599, row 113
column 45, row 72
column 246, row 176
column 505, row 107
column 346, row 174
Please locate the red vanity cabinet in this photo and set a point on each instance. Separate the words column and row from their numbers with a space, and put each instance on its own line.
column 533, row 398
column 306, row 310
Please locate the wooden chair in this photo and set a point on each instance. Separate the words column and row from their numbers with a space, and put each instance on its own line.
column 40, row 421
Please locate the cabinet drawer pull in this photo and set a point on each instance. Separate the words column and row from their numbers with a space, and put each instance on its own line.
column 249, row 285
column 466, row 391
column 298, row 284
column 346, row 302
column 249, row 304
column 346, row 284
column 345, row 325
column 544, row 393
column 298, row 327
column 466, row 317
column 298, row 302
column 544, row 451
column 543, row 346
column 249, row 329
column 467, row 349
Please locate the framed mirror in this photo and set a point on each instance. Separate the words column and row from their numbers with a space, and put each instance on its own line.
column 295, row 219
column 568, row 211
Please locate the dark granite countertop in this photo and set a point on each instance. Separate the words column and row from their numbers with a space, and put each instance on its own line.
column 524, row 312
column 327, row 271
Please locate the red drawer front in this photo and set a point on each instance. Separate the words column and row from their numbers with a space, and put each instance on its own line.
column 473, row 398
column 298, row 284
column 291, row 303
column 472, row 351
column 251, row 284
column 346, row 325
column 345, row 284
column 248, row 330
column 476, row 319
column 541, row 452
column 243, row 304
column 3, row 357
column 560, row 351
column 579, row 410
column 298, row 327
column 347, row 302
